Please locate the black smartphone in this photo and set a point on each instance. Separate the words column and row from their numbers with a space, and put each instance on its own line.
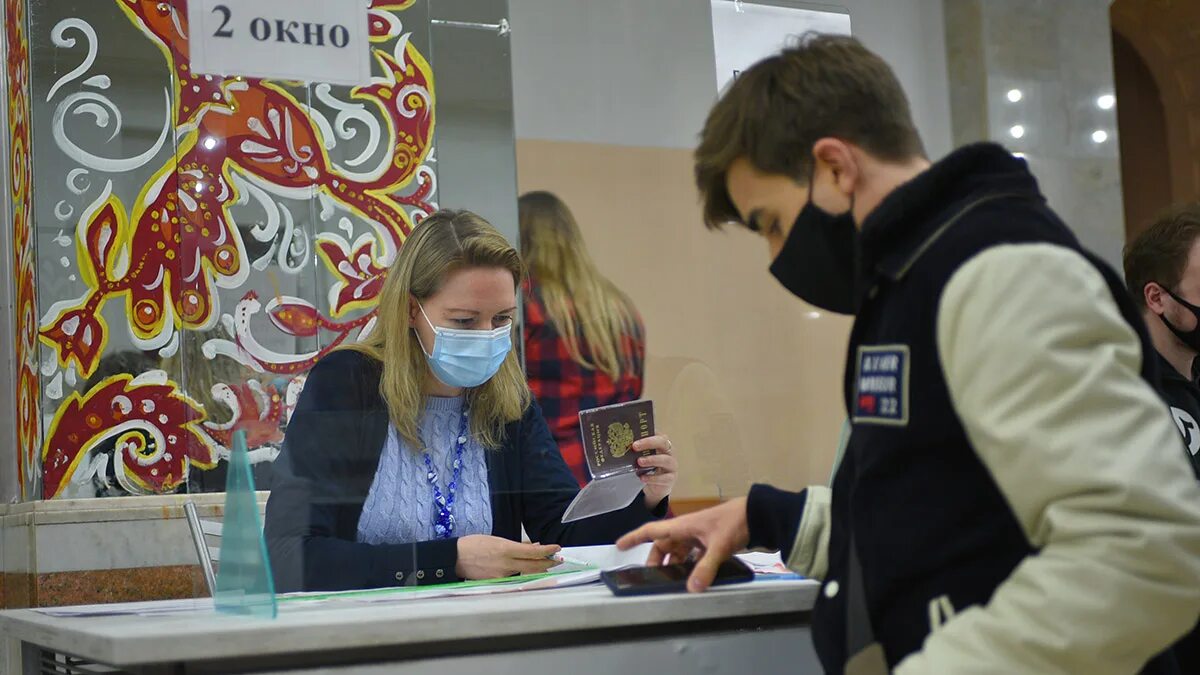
column 670, row 578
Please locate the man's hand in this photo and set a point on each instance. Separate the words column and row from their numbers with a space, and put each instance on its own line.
column 717, row 533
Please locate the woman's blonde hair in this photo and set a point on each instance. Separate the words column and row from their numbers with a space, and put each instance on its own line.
column 578, row 299
column 442, row 244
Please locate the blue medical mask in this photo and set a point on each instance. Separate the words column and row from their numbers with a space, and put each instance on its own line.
column 466, row 358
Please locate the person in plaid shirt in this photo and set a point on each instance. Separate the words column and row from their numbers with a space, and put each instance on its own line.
column 585, row 344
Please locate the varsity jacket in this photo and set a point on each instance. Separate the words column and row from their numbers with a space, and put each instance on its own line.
column 1012, row 485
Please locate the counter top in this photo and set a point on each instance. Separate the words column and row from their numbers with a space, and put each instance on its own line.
column 106, row 509
column 348, row 625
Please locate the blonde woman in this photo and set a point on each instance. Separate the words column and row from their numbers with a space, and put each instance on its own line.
column 416, row 456
column 585, row 345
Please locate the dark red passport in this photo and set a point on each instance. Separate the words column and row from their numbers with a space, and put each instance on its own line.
column 609, row 434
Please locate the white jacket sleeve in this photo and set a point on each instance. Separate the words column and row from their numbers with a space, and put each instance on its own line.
column 810, row 552
column 1044, row 374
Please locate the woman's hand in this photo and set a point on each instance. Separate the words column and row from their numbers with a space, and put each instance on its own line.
column 482, row 556
column 657, row 484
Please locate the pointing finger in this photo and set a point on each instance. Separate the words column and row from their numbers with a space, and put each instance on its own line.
column 643, row 534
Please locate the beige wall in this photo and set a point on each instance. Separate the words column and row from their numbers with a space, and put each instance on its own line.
column 744, row 377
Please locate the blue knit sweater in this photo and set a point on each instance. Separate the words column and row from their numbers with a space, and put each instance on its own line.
column 399, row 507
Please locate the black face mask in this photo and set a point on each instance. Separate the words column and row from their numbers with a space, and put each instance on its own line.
column 1190, row 338
column 819, row 260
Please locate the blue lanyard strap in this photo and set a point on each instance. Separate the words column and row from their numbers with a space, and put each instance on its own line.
column 443, row 526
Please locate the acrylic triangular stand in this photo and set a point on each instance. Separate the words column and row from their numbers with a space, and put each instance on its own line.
column 244, row 582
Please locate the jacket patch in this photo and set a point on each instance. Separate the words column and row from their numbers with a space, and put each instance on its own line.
column 1188, row 427
column 881, row 385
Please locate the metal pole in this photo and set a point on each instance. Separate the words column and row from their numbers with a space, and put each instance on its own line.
column 189, row 508
column 501, row 28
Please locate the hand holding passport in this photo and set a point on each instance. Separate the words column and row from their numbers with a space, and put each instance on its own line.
column 608, row 437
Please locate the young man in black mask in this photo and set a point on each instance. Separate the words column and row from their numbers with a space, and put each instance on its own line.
column 1162, row 270
column 1012, row 498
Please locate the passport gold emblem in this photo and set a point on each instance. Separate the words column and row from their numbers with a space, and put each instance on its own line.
column 620, row 438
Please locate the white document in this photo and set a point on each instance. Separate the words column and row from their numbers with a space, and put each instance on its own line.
column 604, row 495
column 766, row 564
column 602, row 557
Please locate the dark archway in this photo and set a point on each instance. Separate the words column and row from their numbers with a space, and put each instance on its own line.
column 1142, row 125
column 1159, row 37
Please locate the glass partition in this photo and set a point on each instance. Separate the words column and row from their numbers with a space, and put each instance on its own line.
column 609, row 106
column 203, row 239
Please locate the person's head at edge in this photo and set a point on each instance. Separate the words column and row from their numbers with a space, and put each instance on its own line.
column 455, row 272
column 1162, row 271
column 580, row 302
column 825, row 120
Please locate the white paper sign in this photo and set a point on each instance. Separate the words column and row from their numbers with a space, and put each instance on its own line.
column 303, row 40
column 745, row 33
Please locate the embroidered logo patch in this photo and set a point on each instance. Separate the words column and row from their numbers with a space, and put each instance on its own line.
column 1188, row 427
column 881, row 385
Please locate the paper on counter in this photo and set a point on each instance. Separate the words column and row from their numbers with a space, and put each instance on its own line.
column 532, row 582
column 764, row 563
column 602, row 557
column 149, row 608
column 583, row 566
column 767, row 565
column 293, row 602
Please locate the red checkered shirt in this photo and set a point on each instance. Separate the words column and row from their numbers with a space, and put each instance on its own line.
column 563, row 387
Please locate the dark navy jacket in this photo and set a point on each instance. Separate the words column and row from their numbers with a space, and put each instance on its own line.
column 1183, row 397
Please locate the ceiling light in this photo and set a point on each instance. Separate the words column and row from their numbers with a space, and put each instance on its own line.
column 1015, row 95
column 1017, row 131
column 1099, row 136
column 1106, row 102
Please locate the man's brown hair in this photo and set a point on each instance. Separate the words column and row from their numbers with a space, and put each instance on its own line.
column 773, row 114
column 1160, row 253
